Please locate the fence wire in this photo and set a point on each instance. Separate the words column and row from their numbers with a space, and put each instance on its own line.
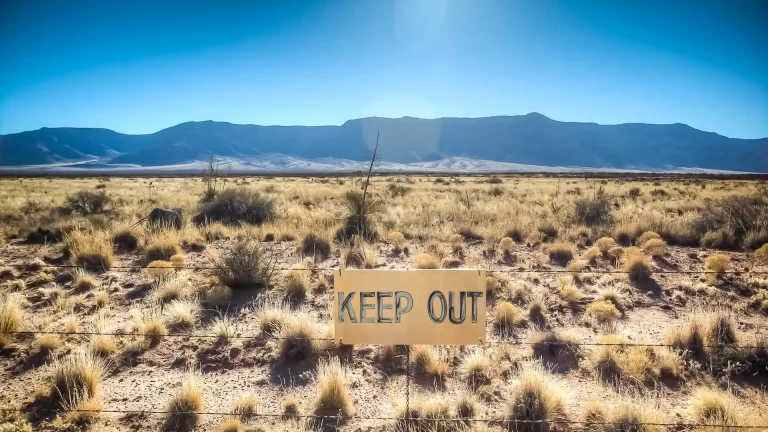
column 413, row 420
column 490, row 270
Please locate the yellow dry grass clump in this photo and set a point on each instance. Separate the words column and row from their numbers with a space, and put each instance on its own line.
column 604, row 312
column 534, row 397
column 90, row 249
column 333, row 396
column 75, row 378
column 11, row 318
column 184, row 404
column 717, row 263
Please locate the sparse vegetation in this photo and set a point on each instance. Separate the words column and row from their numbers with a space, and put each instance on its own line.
column 563, row 295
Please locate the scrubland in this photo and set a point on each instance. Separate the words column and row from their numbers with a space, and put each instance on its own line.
column 231, row 312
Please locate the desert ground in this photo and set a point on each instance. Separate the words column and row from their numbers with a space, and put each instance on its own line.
column 622, row 304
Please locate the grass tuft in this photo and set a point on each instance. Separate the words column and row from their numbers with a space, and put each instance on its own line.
column 333, row 396
column 184, row 405
column 76, row 377
column 534, row 397
column 11, row 318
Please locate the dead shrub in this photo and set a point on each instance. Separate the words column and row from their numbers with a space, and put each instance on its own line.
column 87, row 202
column 738, row 213
column 234, row 206
column 592, row 212
column 125, row 240
column 315, row 246
column 246, row 263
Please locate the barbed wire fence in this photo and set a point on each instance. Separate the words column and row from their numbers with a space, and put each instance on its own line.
column 407, row 421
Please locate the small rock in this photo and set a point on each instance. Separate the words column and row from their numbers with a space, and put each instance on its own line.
column 234, row 352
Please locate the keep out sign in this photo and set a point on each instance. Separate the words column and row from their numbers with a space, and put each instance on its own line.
column 409, row 307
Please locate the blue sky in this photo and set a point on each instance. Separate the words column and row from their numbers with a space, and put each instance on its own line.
column 140, row 66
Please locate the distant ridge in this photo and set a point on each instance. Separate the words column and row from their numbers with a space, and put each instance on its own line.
column 531, row 139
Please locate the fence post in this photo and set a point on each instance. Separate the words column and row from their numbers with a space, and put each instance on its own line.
column 408, row 387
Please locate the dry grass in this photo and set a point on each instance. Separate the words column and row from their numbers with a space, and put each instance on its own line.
column 101, row 299
column 714, row 407
column 534, row 397
column 161, row 248
column 604, row 244
column 271, row 317
column 426, row 362
column 90, row 249
column 492, row 286
column 333, row 396
column 11, row 318
column 560, row 253
column 84, row 281
column 184, row 404
column 48, row 342
column 246, row 263
column 295, row 283
column 426, row 261
column 426, row 217
column 690, row 339
column 158, row 270
column 568, row 291
column 182, row 313
column 76, row 377
column 216, row 295
column 475, row 367
column 178, row 261
column 508, row 317
column 246, row 406
column 224, row 328
column 101, row 345
column 637, row 265
column 506, row 245
column 717, row 263
column 762, row 253
column 150, row 323
column 174, row 286
column 291, row 408
column 630, row 414
column 655, row 247
column 603, row 312
column 296, row 334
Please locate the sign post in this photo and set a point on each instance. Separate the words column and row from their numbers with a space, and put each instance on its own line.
column 409, row 307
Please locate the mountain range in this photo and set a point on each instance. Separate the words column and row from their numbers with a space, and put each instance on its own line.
column 526, row 140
